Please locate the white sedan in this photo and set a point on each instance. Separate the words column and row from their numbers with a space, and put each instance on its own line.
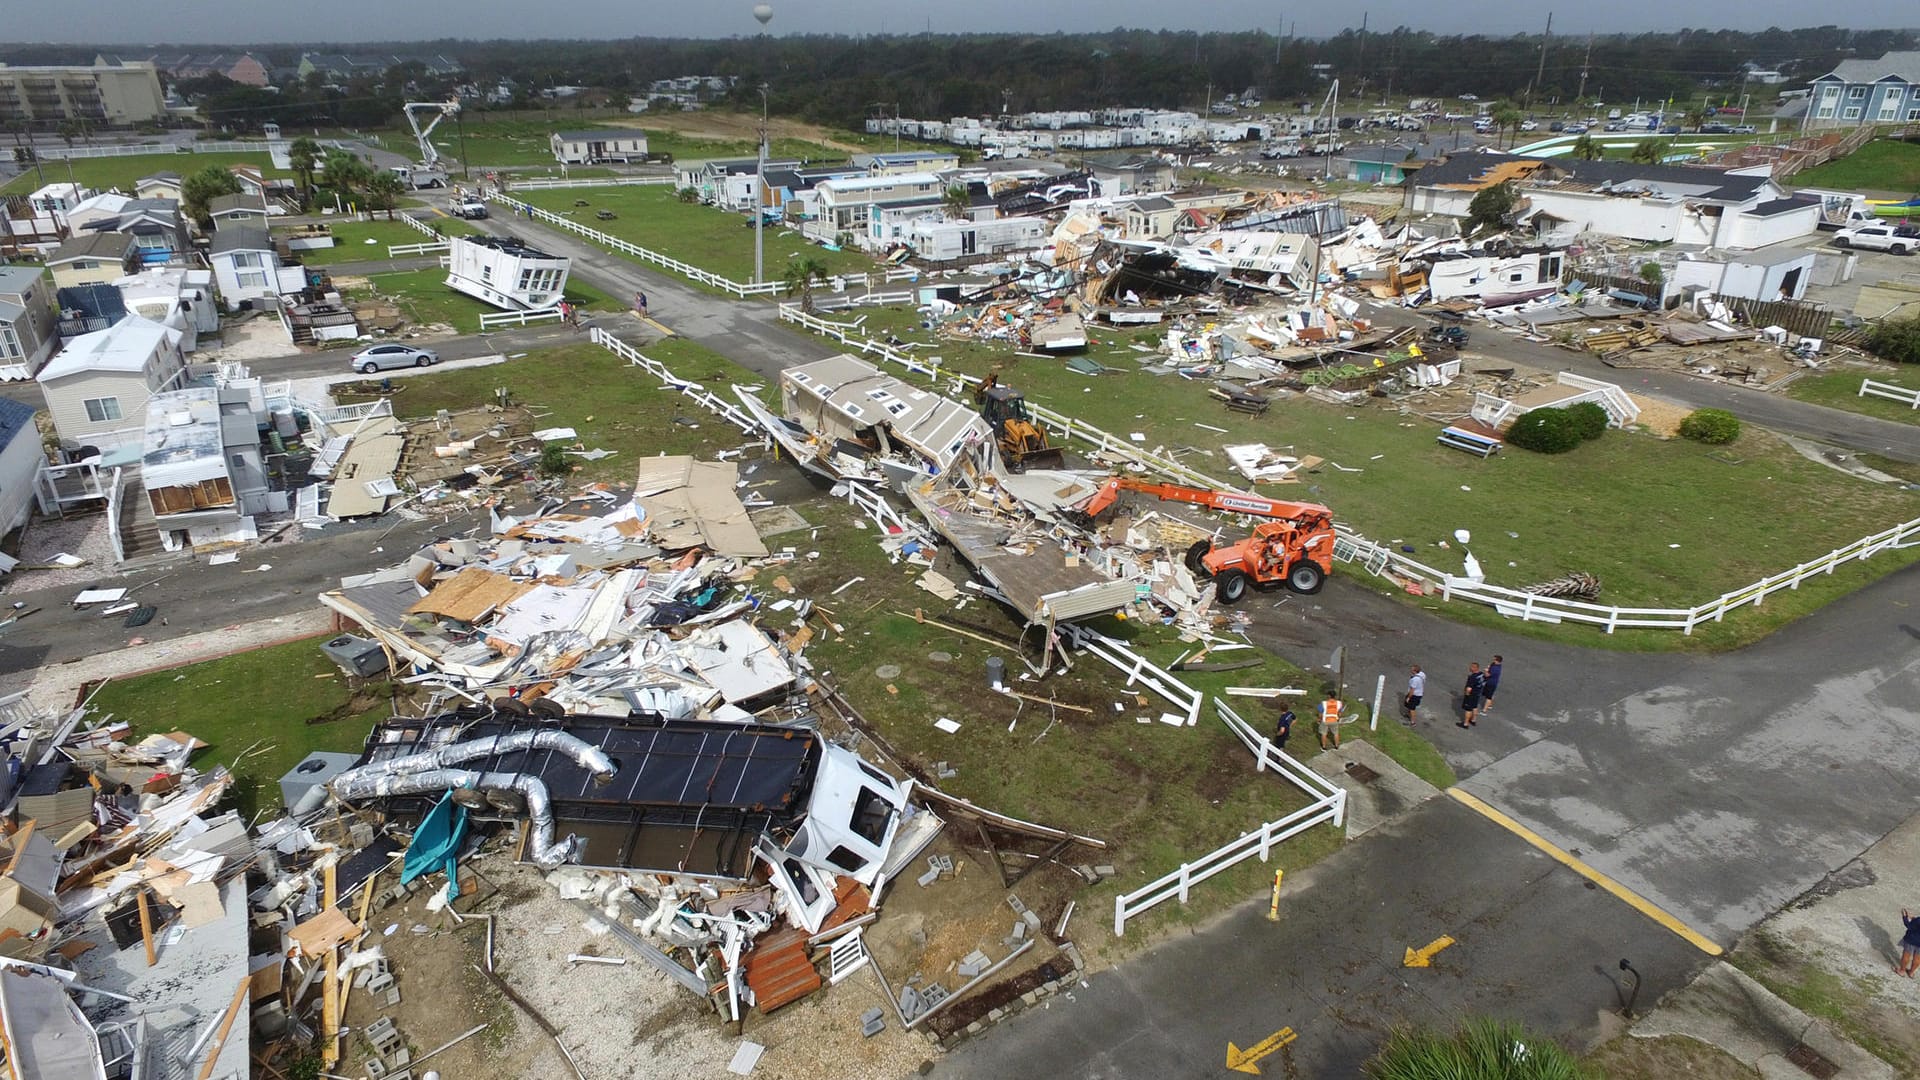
column 391, row 355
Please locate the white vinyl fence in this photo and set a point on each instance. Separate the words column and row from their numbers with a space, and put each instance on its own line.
column 684, row 269
column 1386, row 561
column 726, row 410
column 493, row 320
column 1909, row 398
column 589, row 182
column 1327, row 805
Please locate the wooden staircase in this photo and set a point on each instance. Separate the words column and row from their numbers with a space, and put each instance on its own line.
column 778, row 971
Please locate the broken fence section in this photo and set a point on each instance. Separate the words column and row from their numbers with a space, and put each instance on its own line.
column 714, row 404
column 1328, row 805
column 1382, row 561
column 1138, row 669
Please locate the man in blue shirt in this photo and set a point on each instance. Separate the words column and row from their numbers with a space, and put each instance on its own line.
column 1493, row 683
column 1284, row 726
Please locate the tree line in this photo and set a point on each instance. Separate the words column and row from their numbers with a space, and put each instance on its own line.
column 840, row 80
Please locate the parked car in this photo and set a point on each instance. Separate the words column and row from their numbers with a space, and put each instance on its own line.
column 1573, row 129
column 391, row 355
column 1616, row 125
column 1557, row 126
column 1886, row 238
column 1716, row 129
column 1529, row 125
column 1745, row 129
column 472, row 209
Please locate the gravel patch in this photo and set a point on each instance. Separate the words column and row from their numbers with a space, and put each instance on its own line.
column 44, row 538
column 631, row 1020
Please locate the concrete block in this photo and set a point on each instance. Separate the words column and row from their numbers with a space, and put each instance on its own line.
column 932, row 875
column 1020, row 930
column 1032, row 918
column 1105, row 870
column 873, row 1022
column 968, row 969
column 1018, row 906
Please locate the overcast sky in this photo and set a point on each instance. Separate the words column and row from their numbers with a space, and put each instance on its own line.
column 245, row 21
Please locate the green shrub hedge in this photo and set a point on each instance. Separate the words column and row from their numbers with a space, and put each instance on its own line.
column 1546, row 431
column 1589, row 419
column 1715, row 427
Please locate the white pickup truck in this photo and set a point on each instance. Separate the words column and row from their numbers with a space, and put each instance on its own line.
column 1889, row 238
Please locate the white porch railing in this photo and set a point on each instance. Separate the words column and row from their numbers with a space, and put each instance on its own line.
column 1909, row 398
column 1327, row 805
column 1389, row 562
column 1138, row 669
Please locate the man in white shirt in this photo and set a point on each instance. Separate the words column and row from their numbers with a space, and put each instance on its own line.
column 1416, row 690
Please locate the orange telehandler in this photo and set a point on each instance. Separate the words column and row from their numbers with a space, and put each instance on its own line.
column 1296, row 546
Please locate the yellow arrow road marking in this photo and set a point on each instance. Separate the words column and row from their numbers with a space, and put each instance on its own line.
column 1424, row 957
column 1246, row 1060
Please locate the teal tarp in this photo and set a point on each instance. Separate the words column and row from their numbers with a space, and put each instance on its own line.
column 436, row 842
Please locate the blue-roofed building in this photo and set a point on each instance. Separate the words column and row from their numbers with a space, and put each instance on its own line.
column 1860, row 91
column 907, row 161
column 21, row 455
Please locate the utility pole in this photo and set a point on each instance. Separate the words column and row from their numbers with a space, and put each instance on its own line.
column 760, row 198
column 1361, row 63
column 1279, row 33
column 1586, row 63
column 1540, row 75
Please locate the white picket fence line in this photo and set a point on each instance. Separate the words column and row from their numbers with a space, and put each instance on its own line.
column 490, row 320
column 419, row 226
column 215, row 146
column 590, row 182
column 1385, row 561
column 870, row 299
column 726, row 410
column 689, row 271
column 1909, row 398
column 1327, row 805
column 396, row 251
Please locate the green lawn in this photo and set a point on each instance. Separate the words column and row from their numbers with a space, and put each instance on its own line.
column 123, row 172
column 427, row 299
column 350, row 240
column 1881, row 165
column 1841, row 390
column 288, row 699
column 1570, row 512
column 713, row 239
column 612, row 404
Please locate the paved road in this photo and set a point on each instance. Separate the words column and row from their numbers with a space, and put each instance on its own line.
column 194, row 597
column 1716, row 788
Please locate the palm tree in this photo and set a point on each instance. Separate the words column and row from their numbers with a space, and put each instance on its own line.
column 384, row 189
column 347, row 174
column 801, row 272
column 1586, row 149
column 1649, row 152
column 1507, row 118
column 955, row 202
column 1694, row 118
column 304, row 155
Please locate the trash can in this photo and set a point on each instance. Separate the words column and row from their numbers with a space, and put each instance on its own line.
column 996, row 672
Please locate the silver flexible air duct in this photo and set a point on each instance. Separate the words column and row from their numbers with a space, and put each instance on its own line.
column 588, row 756
column 375, row 781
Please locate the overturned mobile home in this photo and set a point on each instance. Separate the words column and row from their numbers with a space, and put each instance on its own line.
column 506, row 273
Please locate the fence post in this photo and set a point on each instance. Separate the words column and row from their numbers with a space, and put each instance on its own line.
column 1119, row 916
column 1379, row 689
column 1186, row 882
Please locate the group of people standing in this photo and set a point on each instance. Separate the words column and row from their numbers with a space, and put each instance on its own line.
column 1476, row 697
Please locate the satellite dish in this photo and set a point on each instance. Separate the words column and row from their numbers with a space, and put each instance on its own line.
column 763, row 12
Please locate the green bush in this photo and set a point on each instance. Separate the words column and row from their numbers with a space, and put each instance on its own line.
column 1545, row 431
column 1715, row 427
column 1897, row 340
column 1589, row 419
column 1483, row 1048
column 553, row 459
